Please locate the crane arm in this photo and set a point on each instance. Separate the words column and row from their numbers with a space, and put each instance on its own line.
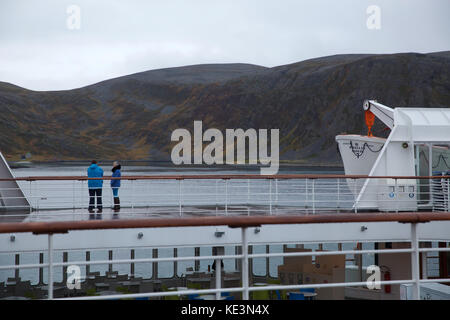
column 382, row 112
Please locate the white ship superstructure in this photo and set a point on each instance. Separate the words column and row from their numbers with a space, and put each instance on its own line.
column 418, row 145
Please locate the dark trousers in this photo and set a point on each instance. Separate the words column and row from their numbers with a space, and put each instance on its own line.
column 95, row 193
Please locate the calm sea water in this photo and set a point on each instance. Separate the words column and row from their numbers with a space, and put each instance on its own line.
column 165, row 269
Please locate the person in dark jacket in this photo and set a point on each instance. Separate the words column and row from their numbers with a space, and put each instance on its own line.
column 115, row 184
column 95, row 187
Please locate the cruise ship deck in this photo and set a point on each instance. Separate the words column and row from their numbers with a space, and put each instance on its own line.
column 381, row 231
column 240, row 212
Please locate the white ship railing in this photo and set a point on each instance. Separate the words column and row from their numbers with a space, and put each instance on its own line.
column 233, row 194
column 412, row 218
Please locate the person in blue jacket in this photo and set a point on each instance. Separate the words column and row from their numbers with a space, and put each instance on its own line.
column 115, row 184
column 95, row 186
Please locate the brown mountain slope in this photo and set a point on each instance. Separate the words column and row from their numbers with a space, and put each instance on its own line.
column 132, row 117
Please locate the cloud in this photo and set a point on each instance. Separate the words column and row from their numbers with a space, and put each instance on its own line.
column 116, row 38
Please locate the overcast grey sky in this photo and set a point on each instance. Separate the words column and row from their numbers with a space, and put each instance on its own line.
column 39, row 51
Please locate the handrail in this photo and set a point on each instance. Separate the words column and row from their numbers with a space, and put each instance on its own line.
column 233, row 222
column 242, row 222
column 220, row 176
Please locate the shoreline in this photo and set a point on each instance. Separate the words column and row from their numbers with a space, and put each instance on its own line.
column 168, row 164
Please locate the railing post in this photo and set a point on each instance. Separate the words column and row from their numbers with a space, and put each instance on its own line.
column 313, row 197
column 245, row 292
column 81, row 194
column 216, row 197
column 355, row 188
column 448, row 194
column 276, row 195
column 396, row 195
column 226, row 197
column 50, row 266
column 430, row 173
column 132, row 195
column 338, row 195
column 276, row 191
column 180, row 197
column 248, row 197
column 218, row 251
column 415, row 269
column 270, row 196
column 73, row 195
column 31, row 198
column 306, row 195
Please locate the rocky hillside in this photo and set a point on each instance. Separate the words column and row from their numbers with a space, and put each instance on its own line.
column 132, row 117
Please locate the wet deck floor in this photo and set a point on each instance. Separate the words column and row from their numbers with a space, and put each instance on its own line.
column 153, row 212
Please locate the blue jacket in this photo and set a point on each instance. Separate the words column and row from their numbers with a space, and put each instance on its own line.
column 115, row 183
column 94, row 171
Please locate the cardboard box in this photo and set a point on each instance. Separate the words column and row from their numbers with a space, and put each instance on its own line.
column 327, row 269
column 291, row 272
column 300, row 261
column 337, row 260
column 289, row 276
column 337, row 275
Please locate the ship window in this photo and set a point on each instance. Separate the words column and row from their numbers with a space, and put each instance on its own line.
column 391, row 189
column 411, row 189
column 401, row 188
